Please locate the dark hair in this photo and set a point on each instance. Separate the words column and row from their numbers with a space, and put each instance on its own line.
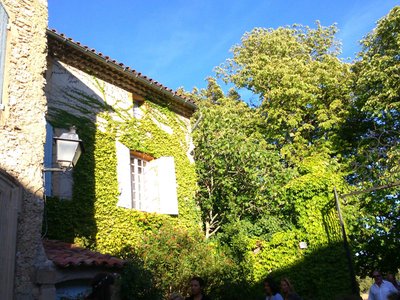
column 199, row 280
column 272, row 284
column 376, row 271
column 290, row 286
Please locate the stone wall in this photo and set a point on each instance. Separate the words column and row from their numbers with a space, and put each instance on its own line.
column 22, row 132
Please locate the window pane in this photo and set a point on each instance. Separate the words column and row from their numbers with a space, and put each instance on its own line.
column 137, row 180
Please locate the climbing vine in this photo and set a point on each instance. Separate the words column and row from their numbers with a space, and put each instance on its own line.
column 92, row 218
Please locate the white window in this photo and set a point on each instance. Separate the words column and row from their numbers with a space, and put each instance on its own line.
column 144, row 183
column 138, row 167
column 3, row 38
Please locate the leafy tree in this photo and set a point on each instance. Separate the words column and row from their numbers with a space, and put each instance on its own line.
column 239, row 172
column 172, row 254
column 138, row 283
column 305, row 93
column 376, row 146
column 303, row 85
column 377, row 90
column 267, row 173
column 375, row 231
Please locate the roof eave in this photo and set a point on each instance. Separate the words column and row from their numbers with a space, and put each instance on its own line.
column 133, row 74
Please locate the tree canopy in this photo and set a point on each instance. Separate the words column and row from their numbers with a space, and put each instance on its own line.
column 232, row 160
column 269, row 171
column 303, row 85
column 376, row 145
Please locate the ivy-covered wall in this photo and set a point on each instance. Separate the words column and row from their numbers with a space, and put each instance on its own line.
column 103, row 113
column 321, row 270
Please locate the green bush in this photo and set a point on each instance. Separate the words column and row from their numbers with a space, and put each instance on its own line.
column 137, row 282
column 173, row 254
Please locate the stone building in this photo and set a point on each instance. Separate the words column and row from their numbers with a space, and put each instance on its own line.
column 22, row 135
column 85, row 86
column 137, row 160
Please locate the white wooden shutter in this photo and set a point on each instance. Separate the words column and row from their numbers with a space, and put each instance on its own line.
column 167, row 185
column 161, row 193
column 124, row 175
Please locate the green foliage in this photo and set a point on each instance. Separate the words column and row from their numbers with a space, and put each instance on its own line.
column 264, row 176
column 377, row 102
column 169, row 255
column 377, row 70
column 303, row 86
column 377, row 99
column 54, row 219
column 375, row 231
column 184, row 253
column 137, row 282
column 318, row 273
column 92, row 217
column 269, row 172
column 375, row 152
column 311, row 211
column 239, row 173
column 365, row 284
column 73, row 220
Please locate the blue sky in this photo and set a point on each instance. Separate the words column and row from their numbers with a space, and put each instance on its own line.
column 179, row 42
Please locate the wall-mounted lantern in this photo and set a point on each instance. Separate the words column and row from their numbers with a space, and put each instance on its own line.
column 69, row 149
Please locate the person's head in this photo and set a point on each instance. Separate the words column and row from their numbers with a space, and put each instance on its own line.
column 270, row 287
column 286, row 286
column 196, row 286
column 390, row 277
column 377, row 276
column 101, row 284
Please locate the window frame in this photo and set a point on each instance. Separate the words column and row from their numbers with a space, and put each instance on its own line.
column 160, row 185
column 138, row 163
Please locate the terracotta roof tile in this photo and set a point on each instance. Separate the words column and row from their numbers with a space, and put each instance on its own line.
column 69, row 255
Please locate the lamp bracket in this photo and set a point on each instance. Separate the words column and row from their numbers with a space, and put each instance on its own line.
column 55, row 169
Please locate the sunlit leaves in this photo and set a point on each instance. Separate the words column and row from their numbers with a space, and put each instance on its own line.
column 377, row 91
column 304, row 87
column 375, row 230
column 238, row 170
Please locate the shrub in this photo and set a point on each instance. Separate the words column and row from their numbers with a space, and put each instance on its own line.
column 138, row 283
